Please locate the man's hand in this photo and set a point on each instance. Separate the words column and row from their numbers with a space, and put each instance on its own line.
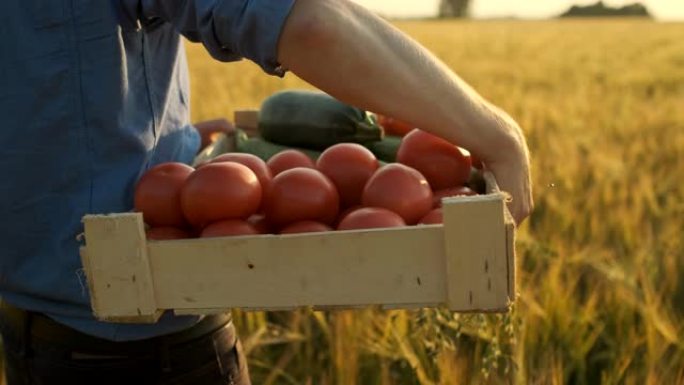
column 345, row 50
column 509, row 161
column 210, row 128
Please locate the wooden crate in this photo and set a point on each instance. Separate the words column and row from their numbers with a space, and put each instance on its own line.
column 467, row 265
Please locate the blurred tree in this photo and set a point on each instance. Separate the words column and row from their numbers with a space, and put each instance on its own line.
column 454, row 8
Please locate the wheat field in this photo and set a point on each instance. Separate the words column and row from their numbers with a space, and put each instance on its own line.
column 601, row 260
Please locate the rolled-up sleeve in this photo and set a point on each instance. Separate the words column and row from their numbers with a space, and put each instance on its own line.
column 229, row 29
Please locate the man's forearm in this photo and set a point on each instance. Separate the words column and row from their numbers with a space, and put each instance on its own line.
column 357, row 57
column 360, row 59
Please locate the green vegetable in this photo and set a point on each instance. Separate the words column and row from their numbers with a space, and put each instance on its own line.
column 264, row 149
column 385, row 149
column 314, row 120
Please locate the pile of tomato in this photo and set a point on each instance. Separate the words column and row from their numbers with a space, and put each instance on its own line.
column 346, row 188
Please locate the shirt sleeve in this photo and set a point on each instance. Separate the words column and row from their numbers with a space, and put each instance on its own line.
column 180, row 145
column 229, row 29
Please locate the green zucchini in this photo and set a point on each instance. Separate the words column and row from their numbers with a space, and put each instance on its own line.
column 314, row 120
column 264, row 149
column 385, row 149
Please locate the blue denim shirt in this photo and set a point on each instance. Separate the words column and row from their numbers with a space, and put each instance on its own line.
column 92, row 94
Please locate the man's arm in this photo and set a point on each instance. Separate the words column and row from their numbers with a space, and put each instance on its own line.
column 357, row 57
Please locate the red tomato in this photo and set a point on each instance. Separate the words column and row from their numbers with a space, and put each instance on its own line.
column 450, row 192
column 305, row 227
column 370, row 218
column 166, row 233
column 157, row 194
column 344, row 213
column 301, row 194
column 289, row 159
column 400, row 189
column 258, row 166
column 442, row 163
column 220, row 191
column 433, row 217
column 393, row 126
column 349, row 166
column 260, row 223
column 228, row 228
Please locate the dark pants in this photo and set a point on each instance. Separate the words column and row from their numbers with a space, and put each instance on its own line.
column 39, row 351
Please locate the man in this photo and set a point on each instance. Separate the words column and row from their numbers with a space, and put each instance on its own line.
column 94, row 93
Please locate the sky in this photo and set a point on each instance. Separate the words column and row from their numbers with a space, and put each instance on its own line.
column 661, row 9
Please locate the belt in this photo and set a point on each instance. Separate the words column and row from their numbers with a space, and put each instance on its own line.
column 40, row 329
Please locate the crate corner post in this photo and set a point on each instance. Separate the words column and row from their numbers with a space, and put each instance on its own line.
column 248, row 121
column 479, row 254
column 117, row 268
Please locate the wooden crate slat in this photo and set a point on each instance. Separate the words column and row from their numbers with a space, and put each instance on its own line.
column 248, row 121
column 359, row 268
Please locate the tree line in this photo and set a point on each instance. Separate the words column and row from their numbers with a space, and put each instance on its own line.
column 460, row 8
